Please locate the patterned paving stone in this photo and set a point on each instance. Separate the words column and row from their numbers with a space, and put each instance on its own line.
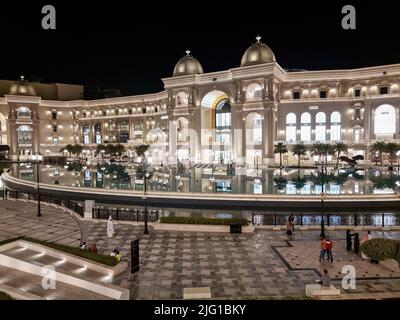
column 245, row 265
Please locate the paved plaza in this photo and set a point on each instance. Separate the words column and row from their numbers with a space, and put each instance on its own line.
column 259, row 265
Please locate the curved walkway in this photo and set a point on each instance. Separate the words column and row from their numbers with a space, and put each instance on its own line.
column 18, row 218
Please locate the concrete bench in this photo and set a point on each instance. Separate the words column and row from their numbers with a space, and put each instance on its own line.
column 318, row 290
column 197, row 293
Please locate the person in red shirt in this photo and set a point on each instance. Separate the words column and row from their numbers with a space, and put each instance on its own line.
column 329, row 246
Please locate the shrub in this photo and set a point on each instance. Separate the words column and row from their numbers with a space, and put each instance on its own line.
column 381, row 249
column 209, row 221
column 5, row 296
column 100, row 258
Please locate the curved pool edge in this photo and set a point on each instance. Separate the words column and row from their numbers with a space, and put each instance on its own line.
column 178, row 199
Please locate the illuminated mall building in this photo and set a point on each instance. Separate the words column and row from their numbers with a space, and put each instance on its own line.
column 235, row 115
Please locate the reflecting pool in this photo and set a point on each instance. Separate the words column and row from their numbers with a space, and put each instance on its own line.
column 215, row 179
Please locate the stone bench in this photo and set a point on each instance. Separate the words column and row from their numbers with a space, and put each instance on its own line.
column 197, row 293
column 318, row 290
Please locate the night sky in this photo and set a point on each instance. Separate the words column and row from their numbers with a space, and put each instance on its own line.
column 131, row 48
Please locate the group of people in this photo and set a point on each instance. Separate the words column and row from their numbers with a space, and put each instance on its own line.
column 91, row 248
column 116, row 254
column 326, row 245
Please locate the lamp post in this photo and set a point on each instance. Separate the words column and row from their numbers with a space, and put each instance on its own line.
column 323, row 168
column 37, row 158
column 146, row 175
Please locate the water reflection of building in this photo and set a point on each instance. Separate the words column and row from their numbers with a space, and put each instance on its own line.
column 231, row 115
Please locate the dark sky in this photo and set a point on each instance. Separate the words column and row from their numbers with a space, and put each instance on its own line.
column 131, row 48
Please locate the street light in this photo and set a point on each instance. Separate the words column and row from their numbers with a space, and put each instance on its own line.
column 146, row 175
column 323, row 169
column 37, row 159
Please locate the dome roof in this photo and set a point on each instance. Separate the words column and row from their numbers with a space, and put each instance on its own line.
column 22, row 88
column 187, row 65
column 258, row 53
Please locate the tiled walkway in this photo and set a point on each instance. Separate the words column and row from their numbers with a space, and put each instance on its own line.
column 246, row 265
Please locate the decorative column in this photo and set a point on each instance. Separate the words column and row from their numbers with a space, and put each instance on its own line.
column 35, row 134
column 13, row 136
column 172, row 141
column 269, row 134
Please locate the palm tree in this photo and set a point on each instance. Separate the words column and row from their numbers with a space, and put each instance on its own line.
column 69, row 148
column 281, row 149
column 119, row 149
column 100, row 148
column 77, row 149
column 380, row 147
column 317, row 149
column 340, row 147
column 391, row 148
column 109, row 149
column 299, row 182
column 299, row 150
column 141, row 149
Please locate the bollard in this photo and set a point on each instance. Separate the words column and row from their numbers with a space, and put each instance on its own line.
column 134, row 255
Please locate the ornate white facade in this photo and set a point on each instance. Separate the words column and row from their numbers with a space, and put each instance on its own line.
column 235, row 115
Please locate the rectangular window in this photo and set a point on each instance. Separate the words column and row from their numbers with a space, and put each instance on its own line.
column 55, row 140
column 305, row 133
column 290, row 133
column 144, row 110
column 257, row 135
column 320, row 133
column 335, row 132
column 55, row 129
column 357, row 135
column 383, row 90
column 357, row 114
column 357, row 93
column 322, row 94
column 54, row 115
column 296, row 95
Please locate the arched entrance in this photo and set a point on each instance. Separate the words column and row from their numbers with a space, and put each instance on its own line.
column 216, row 124
column 254, row 138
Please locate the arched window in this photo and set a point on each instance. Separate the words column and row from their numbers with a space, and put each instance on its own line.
column 305, row 132
column 86, row 132
column 253, row 128
column 97, row 133
column 24, row 112
column 336, row 127
column 24, row 136
column 223, row 121
column 253, row 92
column 385, row 120
column 290, row 127
column 182, row 126
column 181, row 99
column 320, row 127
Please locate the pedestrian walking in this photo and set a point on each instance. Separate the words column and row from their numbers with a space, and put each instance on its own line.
column 110, row 227
column 291, row 221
